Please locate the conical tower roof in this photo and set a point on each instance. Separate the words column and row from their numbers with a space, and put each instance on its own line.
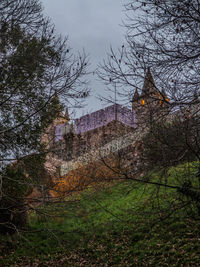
column 135, row 96
column 149, row 84
column 67, row 115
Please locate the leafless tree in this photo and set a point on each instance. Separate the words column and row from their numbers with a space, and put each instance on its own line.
column 163, row 36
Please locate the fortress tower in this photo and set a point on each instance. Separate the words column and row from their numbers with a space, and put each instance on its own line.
column 151, row 103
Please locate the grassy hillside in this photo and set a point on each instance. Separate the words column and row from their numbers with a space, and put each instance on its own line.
column 122, row 224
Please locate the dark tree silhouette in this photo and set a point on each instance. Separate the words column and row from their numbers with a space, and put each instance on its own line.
column 35, row 63
column 163, row 36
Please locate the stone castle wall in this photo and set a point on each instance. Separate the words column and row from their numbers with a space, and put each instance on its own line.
column 74, row 145
column 97, row 119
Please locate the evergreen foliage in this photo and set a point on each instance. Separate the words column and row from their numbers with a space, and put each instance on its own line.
column 34, row 64
column 13, row 208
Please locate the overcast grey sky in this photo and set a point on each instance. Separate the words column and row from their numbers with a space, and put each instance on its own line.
column 90, row 24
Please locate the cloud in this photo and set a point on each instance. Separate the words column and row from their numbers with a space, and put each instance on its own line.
column 90, row 24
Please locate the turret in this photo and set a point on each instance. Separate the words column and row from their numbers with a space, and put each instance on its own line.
column 149, row 91
column 149, row 104
column 135, row 100
column 67, row 118
column 149, row 84
column 151, row 96
column 54, row 120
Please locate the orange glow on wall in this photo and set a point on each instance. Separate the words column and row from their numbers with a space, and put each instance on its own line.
column 162, row 101
column 84, row 176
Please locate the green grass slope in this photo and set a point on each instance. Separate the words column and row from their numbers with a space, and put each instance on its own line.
column 124, row 224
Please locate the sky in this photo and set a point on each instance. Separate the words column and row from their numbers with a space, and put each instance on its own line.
column 92, row 25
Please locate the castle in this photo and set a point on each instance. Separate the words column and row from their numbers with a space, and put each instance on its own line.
column 114, row 130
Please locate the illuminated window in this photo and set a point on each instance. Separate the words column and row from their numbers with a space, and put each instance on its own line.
column 142, row 102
